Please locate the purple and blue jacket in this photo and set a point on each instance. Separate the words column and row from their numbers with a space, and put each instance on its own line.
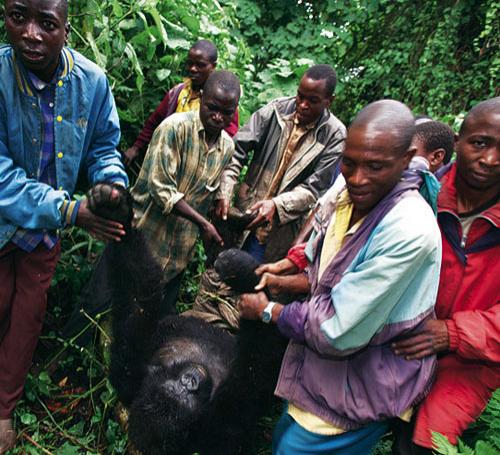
column 380, row 286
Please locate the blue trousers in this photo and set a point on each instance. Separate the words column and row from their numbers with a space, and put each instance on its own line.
column 290, row 438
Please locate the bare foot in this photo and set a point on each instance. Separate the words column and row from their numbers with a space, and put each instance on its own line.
column 7, row 435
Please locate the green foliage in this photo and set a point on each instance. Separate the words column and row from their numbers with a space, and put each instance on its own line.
column 439, row 57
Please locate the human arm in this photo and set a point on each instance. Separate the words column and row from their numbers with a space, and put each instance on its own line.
column 248, row 138
column 473, row 335
column 164, row 109
column 102, row 158
column 208, row 231
column 284, row 284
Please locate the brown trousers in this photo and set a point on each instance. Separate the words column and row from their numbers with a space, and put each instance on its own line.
column 24, row 281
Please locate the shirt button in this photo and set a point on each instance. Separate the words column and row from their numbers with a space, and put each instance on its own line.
column 33, row 105
column 60, row 155
column 59, row 118
column 61, row 188
column 34, row 140
column 51, row 104
column 60, row 83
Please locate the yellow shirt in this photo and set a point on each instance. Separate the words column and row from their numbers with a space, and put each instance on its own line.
column 187, row 100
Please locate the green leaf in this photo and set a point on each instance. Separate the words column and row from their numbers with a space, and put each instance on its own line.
column 28, row 419
column 67, row 449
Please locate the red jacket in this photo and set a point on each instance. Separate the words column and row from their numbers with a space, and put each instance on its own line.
column 166, row 108
column 469, row 301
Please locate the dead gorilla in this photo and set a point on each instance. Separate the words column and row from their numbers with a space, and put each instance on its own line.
column 190, row 387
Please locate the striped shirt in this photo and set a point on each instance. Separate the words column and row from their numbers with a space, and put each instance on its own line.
column 178, row 165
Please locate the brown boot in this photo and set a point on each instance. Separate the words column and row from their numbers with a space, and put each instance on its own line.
column 7, row 435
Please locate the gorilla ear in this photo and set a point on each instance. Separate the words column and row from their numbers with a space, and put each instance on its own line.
column 237, row 269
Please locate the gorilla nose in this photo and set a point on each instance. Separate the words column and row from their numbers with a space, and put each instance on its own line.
column 191, row 380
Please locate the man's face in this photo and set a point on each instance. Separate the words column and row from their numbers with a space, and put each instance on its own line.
column 370, row 166
column 217, row 110
column 478, row 152
column 37, row 31
column 198, row 67
column 311, row 100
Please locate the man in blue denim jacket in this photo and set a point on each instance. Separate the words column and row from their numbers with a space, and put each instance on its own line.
column 57, row 117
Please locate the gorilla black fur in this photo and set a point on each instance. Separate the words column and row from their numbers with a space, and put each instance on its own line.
column 189, row 387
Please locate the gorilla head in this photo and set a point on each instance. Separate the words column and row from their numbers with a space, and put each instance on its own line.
column 184, row 377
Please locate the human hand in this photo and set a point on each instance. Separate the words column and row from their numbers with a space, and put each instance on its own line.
column 100, row 228
column 272, row 282
column 282, row 267
column 265, row 209
column 209, row 234
column 433, row 339
column 251, row 306
column 221, row 208
column 130, row 155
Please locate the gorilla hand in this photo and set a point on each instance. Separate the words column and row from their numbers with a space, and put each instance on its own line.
column 110, row 201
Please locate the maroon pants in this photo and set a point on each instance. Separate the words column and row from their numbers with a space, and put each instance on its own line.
column 24, row 281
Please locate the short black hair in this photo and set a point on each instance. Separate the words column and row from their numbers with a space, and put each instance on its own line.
column 436, row 135
column 208, row 48
column 391, row 116
column 490, row 105
column 225, row 80
column 323, row 73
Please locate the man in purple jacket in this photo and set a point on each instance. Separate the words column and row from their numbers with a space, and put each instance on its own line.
column 373, row 276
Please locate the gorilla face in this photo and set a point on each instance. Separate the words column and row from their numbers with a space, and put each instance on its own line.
column 182, row 378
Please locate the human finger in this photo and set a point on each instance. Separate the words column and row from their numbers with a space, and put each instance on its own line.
column 262, row 283
column 410, row 341
column 421, row 354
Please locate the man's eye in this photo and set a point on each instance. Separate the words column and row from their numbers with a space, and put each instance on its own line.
column 479, row 143
column 17, row 16
column 375, row 166
column 49, row 25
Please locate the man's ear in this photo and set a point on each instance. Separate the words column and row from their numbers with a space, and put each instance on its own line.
column 67, row 30
column 330, row 100
column 436, row 157
column 409, row 154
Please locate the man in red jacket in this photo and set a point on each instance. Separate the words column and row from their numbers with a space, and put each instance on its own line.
column 466, row 333
column 184, row 97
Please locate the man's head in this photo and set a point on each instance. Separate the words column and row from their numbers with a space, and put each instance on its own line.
column 422, row 118
column 201, row 61
column 478, row 147
column 37, row 31
column 377, row 151
column 315, row 93
column 219, row 101
column 435, row 142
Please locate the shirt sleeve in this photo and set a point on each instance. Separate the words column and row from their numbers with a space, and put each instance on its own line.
column 475, row 334
column 248, row 138
column 165, row 159
column 153, row 121
column 103, row 160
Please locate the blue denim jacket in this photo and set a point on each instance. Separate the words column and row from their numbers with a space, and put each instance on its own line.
column 86, row 134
